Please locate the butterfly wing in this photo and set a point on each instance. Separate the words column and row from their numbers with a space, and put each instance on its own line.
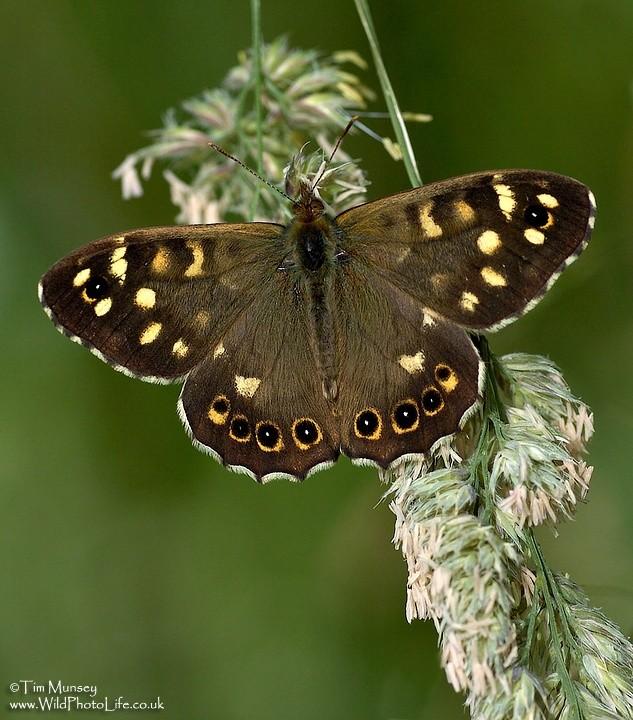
column 479, row 250
column 406, row 378
column 256, row 402
column 154, row 302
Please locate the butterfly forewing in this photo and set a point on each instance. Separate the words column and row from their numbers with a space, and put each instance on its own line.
column 153, row 302
column 478, row 250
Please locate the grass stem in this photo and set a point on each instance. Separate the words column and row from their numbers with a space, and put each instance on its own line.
column 399, row 127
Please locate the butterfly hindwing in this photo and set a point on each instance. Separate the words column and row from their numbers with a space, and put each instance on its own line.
column 256, row 401
column 478, row 250
column 152, row 302
column 401, row 389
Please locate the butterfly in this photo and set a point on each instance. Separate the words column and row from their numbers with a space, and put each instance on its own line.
column 349, row 334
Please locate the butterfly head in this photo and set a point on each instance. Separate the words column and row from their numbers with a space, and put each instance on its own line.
column 308, row 207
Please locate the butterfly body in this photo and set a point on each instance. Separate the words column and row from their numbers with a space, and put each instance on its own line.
column 347, row 333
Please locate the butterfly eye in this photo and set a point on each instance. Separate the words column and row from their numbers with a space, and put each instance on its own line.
column 306, row 433
column 536, row 215
column 405, row 417
column 268, row 437
column 432, row 401
column 96, row 288
column 240, row 429
column 368, row 424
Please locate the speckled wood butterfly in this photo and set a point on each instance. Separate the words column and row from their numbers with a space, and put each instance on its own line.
column 329, row 335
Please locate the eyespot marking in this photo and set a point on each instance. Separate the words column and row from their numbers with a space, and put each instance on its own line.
column 246, row 386
column 219, row 410
column 103, row 307
column 536, row 237
column 432, row 401
column 488, row 242
column 446, row 377
column 412, row 363
column 405, row 417
column 151, row 332
column 306, row 433
column 240, row 429
column 195, row 268
column 469, row 301
column 180, row 348
column 537, row 216
column 161, row 261
column 430, row 227
column 492, row 277
column 81, row 278
column 96, row 288
column 548, row 200
column 368, row 424
column 145, row 298
column 507, row 203
column 268, row 436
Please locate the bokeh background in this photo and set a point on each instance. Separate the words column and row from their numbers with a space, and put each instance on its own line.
column 133, row 562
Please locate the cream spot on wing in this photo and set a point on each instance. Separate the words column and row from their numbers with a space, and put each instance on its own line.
column 402, row 254
column 180, row 348
column 488, row 242
column 412, row 363
column 507, row 203
column 536, row 237
column 219, row 351
column 246, row 386
column 119, row 240
column 464, row 211
column 428, row 317
column 430, row 227
column 103, row 306
column 202, row 317
column 145, row 298
column 118, row 263
column 151, row 332
column 591, row 222
column 469, row 301
column 81, row 278
column 549, row 201
column 161, row 261
column 195, row 268
column 492, row 277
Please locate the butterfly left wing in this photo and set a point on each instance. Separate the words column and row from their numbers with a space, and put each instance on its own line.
column 256, row 402
column 153, row 302
column 478, row 250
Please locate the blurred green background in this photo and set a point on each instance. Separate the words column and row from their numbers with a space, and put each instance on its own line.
column 135, row 563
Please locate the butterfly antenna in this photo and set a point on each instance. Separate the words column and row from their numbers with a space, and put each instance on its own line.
column 222, row 151
column 348, row 127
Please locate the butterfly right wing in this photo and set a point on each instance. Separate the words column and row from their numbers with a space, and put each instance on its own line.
column 479, row 250
column 406, row 378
